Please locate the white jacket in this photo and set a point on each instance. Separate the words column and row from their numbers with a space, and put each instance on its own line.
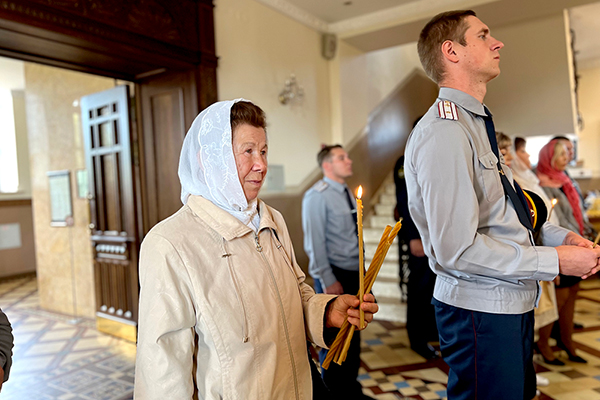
column 228, row 303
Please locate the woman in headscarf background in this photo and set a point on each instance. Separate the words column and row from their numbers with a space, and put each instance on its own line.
column 526, row 178
column 553, row 161
column 224, row 309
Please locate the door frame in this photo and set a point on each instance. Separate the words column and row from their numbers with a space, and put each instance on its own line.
column 82, row 36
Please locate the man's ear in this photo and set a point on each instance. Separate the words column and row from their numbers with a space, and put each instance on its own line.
column 448, row 51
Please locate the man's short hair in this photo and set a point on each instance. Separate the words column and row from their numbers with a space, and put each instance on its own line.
column 449, row 25
column 325, row 153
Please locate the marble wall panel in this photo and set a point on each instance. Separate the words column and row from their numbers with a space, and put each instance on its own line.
column 63, row 254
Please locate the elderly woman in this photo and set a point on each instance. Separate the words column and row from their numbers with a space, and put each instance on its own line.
column 224, row 309
column 552, row 163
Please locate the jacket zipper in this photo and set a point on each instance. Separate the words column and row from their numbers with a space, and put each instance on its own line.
column 285, row 327
column 287, row 260
column 238, row 294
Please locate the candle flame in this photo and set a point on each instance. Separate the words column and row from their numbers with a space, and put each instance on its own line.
column 359, row 192
column 554, row 201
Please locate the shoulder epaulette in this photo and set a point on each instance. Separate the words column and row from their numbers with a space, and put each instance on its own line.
column 447, row 110
column 320, row 186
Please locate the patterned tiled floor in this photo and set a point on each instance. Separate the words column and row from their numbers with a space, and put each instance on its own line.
column 391, row 371
column 55, row 358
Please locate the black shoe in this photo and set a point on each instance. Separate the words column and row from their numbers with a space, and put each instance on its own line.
column 577, row 359
column 556, row 361
column 572, row 356
column 428, row 352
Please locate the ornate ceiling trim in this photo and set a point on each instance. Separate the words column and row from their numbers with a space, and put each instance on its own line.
column 409, row 12
column 297, row 14
column 405, row 13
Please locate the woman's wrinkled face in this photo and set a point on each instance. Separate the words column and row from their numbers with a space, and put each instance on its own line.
column 250, row 153
column 561, row 157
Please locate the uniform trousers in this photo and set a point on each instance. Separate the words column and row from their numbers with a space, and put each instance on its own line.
column 341, row 379
column 490, row 355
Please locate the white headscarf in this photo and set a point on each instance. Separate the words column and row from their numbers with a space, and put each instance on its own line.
column 207, row 164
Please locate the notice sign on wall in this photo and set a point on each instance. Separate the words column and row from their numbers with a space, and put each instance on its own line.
column 10, row 236
column 60, row 197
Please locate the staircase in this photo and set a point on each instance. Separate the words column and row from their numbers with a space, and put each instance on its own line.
column 386, row 288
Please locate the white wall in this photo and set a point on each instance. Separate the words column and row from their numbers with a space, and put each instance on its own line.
column 12, row 77
column 258, row 49
column 532, row 95
column 589, row 107
column 366, row 79
column 354, row 91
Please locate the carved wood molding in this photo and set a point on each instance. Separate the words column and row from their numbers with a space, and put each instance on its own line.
column 138, row 22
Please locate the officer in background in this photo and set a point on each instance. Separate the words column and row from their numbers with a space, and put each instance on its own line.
column 331, row 243
column 420, row 314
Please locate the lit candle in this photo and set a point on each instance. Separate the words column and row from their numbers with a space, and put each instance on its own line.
column 361, row 258
column 554, row 201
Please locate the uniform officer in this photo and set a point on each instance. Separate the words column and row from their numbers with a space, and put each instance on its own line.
column 473, row 223
column 331, row 243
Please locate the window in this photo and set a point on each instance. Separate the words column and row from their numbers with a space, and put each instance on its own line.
column 9, row 172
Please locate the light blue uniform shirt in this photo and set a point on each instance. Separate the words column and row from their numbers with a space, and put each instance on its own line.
column 329, row 231
column 480, row 252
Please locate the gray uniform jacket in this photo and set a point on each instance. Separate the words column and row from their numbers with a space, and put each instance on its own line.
column 329, row 231
column 6, row 344
column 482, row 255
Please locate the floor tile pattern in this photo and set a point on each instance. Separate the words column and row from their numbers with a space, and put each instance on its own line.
column 56, row 357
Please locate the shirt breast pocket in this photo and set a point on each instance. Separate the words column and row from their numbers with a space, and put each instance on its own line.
column 342, row 217
column 490, row 177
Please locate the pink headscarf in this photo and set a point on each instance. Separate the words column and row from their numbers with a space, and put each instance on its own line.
column 551, row 177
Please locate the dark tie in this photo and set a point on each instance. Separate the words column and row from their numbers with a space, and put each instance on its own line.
column 352, row 208
column 515, row 194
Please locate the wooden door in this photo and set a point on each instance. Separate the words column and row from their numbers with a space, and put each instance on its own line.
column 168, row 105
column 106, row 131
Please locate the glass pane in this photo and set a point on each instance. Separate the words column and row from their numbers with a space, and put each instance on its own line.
column 111, row 193
column 116, row 130
column 103, row 111
column 94, row 137
column 107, row 134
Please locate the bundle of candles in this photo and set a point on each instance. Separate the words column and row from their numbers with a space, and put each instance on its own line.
column 339, row 349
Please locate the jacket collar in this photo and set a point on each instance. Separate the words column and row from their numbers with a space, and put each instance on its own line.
column 225, row 224
column 462, row 99
column 335, row 185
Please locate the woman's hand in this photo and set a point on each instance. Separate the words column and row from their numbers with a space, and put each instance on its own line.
column 347, row 306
